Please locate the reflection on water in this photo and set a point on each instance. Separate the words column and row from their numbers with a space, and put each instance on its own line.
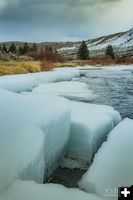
column 115, row 88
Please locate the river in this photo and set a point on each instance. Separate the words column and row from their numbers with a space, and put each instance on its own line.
column 113, row 87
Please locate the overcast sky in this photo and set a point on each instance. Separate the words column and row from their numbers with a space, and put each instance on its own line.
column 63, row 20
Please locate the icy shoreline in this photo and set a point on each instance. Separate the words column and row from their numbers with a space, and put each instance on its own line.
column 37, row 130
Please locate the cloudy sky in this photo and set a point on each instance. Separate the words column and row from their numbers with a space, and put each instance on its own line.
column 63, row 20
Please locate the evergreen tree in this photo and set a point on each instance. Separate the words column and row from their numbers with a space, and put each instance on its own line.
column 12, row 48
column 20, row 50
column 34, row 47
column 0, row 48
column 55, row 51
column 26, row 48
column 49, row 49
column 110, row 51
column 4, row 49
column 83, row 52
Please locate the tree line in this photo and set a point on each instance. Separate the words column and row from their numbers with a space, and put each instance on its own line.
column 32, row 50
column 21, row 50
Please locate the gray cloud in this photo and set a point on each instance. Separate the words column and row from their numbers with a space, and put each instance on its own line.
column 43, row 20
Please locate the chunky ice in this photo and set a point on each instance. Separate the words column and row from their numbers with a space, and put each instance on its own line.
column 34, row 132
column 72, row 90
column 113, row 164
column 90, row 125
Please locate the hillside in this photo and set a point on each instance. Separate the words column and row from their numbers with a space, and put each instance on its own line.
column 122, row 43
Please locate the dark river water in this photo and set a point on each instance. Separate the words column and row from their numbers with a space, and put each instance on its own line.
column 115, row 88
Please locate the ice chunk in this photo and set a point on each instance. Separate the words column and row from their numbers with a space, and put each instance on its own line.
column 49, row 115
column 26, row 82
column 90, row 125
column 72, row 90
column 113, row 164
column 18, row 83
column 24, row 190
column 21, row 153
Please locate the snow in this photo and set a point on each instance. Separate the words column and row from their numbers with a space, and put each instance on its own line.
column 26, row 82
column 120, row 67
column 25, row 190
column 30, row 135
column 90, row 125
column 120, row 41
column 113, row 164
column 67, row 48
column 72, row 90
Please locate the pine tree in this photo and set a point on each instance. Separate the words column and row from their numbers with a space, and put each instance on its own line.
column 34, row 47
column 4, row 49
column 12, row 48
column 20, row 50
column 110, row 51
column 26, row 48
column 55, row 51
column 83, row 52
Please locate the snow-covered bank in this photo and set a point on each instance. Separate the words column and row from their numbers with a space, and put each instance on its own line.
column 72, row 90
column 90, row 125
column 24, row 190
column 32, row 138
column 113, row 164
column 26, row 82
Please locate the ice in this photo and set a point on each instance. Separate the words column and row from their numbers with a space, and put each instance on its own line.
column 21, row 153
column 113, row 164
column 56, row 76
column 17, row 83
column 33, row 129
column 26, row 82
column 90, row 125
column 120, row 67
column 72, row 90
column 26, row 190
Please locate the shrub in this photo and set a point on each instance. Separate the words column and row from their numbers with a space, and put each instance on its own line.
column 46, row 55
column 46, row 65
column 25, row 58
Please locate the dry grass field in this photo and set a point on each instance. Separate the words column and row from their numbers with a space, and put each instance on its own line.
column 23, row 67
column 17, row 67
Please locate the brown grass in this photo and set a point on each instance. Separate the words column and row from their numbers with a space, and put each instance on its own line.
column 19, row 67
column 106, row 61
column 64, row 64
column 14, row 67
